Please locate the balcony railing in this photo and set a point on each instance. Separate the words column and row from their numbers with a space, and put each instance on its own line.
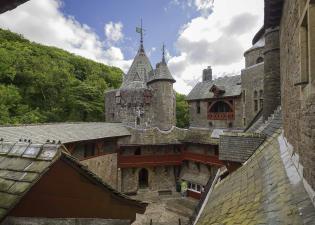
column 125, row 161
column 148, row 160
column 221, row 116
column 202, row 158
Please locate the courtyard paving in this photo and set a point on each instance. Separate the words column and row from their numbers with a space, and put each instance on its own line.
column 165, row 209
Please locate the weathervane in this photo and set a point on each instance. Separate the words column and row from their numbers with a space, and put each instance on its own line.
column 140, row 30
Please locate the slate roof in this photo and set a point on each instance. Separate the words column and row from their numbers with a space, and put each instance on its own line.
column 267, row 189
column 259, row 44
column 139, row 72
column 22, row 164
column 197, row 178
column 6, row 5
column 238, row 147
column 162, row 73
column 63, row 221
column 65, row 132
column 232, row 87
column 199, row 136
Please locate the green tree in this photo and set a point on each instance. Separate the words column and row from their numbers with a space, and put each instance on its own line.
column 182, row 111
column 47, row 84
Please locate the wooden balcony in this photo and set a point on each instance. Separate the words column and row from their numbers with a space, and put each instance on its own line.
column 129, row 161
column 148, row 160
column 221, row 116
column 202, row 158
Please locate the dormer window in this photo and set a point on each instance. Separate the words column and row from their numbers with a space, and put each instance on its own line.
column 217, row 90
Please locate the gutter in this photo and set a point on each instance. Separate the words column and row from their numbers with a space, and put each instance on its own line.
column 216, row 179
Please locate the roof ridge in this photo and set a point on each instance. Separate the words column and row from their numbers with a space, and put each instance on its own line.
column 54, row 123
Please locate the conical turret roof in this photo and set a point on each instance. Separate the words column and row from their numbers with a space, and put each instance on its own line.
column 162, row 73
column 139, row 72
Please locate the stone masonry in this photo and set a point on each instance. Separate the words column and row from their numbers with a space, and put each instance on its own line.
column 298, row 81
column 253, row 81
column 272, row 72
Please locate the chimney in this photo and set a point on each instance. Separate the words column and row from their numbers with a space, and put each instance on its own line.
column 207, row 74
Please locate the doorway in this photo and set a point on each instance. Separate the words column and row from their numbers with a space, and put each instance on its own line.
column 143, row 178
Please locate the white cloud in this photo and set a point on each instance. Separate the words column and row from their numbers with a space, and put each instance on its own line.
column 204, row 6
column 218, row 40
column 42, row 21
column 113, row 31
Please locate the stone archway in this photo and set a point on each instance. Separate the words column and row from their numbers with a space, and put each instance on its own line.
column 143, row 179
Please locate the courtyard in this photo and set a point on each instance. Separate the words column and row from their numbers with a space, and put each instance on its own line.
column 164, row 209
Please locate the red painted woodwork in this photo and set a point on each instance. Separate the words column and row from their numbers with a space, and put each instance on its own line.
column 148, row 160
column 202, row 158
column 64, row 191
column 94, row 156
column 125, row 161
column 221, row 116
column 193, row 194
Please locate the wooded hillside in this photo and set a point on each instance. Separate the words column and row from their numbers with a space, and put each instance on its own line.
column 47, row 84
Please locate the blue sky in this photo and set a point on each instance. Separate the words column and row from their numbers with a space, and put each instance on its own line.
column 162, row 19
column 197, row 33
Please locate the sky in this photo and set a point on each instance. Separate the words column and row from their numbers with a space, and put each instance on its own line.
column 197, row 33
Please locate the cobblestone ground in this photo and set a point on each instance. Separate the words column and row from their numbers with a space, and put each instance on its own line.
column 165, row 209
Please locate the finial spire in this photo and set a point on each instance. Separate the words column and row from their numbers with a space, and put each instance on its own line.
column 141, row 34
column 140, row 31
column 163, row 53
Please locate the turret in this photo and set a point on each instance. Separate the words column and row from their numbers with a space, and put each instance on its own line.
column 272, row 93
column 163, row 101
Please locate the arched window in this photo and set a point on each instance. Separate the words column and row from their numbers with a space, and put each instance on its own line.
column 261, row 99
column 220, row 106
column 259, row 60
column 143, row 178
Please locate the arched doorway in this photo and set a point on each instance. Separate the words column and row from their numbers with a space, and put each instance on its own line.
column 143, row 178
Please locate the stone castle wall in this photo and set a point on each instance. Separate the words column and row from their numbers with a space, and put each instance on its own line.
column 159, row 178
column 105, row 167
column 272, row 72
column 133, row 107
column 252, row 80
column 298, row 101
column 201, row 119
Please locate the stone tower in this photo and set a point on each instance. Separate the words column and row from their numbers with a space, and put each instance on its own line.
column 164, row 99
column 272, row 93
column 146, row 97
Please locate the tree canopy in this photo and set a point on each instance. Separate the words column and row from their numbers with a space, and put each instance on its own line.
column 46, row 84
column 182, row 114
